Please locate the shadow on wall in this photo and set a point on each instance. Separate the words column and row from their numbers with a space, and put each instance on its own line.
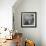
column 36, row 40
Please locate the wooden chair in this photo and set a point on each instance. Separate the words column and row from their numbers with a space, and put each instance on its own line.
column 18, row 39
column 29, row 43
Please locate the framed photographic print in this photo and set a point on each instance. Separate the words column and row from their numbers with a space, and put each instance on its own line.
column 28, row 19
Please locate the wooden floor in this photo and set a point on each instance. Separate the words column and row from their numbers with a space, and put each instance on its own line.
column 9, row 43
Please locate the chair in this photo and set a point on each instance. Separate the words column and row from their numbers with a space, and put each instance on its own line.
column 18, row 39
column 29, row 43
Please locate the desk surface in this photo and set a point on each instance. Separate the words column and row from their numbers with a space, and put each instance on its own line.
column 8, row 43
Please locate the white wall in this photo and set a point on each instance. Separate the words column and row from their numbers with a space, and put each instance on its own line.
column 29, row 6
column 43, row 22
column 6, row 13
column 35, row 34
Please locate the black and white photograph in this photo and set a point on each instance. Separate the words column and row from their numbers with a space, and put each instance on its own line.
column 28, row 19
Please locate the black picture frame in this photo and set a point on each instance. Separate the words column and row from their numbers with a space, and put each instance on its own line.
column 28, row 19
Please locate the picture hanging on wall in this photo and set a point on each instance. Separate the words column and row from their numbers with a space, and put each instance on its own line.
column 28, row 19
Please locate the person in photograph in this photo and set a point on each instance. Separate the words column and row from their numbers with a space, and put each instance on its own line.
column 29, row 20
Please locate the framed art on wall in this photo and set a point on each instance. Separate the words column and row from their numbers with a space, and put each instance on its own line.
column 28, row 19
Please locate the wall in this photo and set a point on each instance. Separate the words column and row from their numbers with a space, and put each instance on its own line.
column 43, row 22
column 6, row 13
column 28, row 6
